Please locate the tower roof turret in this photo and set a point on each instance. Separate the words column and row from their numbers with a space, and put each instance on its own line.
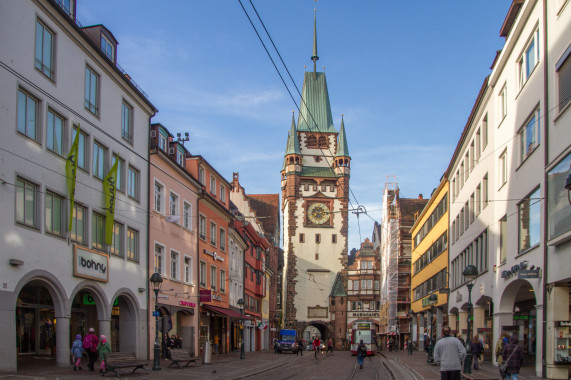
column 314, row 56
column 342, row 147
column 292, row 140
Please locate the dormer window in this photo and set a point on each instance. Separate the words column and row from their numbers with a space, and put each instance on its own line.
column 108, row 48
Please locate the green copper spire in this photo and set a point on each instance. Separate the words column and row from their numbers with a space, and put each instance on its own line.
column 314, row 57
column 342, row 147
column 292, row 140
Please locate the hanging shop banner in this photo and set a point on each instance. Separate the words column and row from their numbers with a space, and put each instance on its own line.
column 528, row 273
column 90, row 264
column 205, row 295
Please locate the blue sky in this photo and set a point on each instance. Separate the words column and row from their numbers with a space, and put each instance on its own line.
column 405, row 74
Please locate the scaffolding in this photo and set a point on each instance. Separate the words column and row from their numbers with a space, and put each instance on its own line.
column 389, row 258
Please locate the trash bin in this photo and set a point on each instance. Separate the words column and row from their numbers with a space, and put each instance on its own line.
column 206, row 353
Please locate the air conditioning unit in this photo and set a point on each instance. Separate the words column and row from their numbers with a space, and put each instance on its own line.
column 153, row 133
column 171, row 150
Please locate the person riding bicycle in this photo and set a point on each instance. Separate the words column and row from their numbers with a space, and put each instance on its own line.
column 316, row 345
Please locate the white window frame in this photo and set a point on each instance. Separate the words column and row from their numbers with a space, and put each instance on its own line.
column 213, row 237
column 533, row 125
column 523, row 65
column 201, row 175
column 532, row 200
column 202, row 226
column 54, row 124
column 158, row 196
column 222, row 193
column 82, row 149
column 180, row 158
column 222, row 237
column 117, row 245
column 174, row 203
column 162, row 141
column 203, row 273
column 133, row 244
column 107, row 47
column 212, row 184
column 120, row 182
column 133, row 185
column 503, row 102
column 213, row 284
column 91, row 95
column 175, row 264
column 187, row 215
column 99, row 160
column 74, row 231
column 127, row 122
column 222, row 281
column 23, row 117
column 188, row 270
column 50, row 212
column 563, row 72
column 46, row 68
column 161, row 269
column 503, row 168
column 98, row 231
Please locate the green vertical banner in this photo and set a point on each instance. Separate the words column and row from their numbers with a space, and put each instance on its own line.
column 71, row 173
column 109, row 188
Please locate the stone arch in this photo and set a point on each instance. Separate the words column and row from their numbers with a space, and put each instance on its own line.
column 52, row 284
column 514, row 292
column 101, row 301
column 125, row 321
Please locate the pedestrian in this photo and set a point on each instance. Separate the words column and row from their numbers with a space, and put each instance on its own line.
column 177, row 341
column 426, row 343
column 391, row 344
column 361, row 353
column 300, row 347
column 477, row 348
column 216, row 342
column 500, row 344
column 316, row 344
column 449, row 354
column 275, row 341
column 330, row 346
column 77, row 352
column 513, row 354
column 103, row 348
column 90, row 343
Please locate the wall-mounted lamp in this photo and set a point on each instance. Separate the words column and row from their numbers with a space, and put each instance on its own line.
column 141, row 290
column 16, row 262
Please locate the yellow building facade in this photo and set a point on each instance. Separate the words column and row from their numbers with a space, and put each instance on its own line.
column 429, row 267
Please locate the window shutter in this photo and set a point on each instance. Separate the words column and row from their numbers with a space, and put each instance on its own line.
column 565, row 84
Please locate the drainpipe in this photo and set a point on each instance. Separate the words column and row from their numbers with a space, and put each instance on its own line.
column 148, row 226
column 545, row 164
column 201, row 195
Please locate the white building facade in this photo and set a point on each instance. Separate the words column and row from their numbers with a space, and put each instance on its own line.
column 57, row 78
column 507, row 214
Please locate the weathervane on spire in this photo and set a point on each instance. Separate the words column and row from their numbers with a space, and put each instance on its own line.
column 314, row 57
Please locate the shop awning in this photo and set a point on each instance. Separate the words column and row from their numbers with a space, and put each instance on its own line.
column 224, row 311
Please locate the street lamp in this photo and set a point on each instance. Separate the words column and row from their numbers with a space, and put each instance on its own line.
column 433, row 298
column 411, row 313
column 156, row 282
column 241, row 304
column 470, row 273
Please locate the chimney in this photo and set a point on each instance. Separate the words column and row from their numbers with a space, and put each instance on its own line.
column 420, row 196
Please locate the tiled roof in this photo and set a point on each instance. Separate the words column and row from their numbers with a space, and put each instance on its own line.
column 266, row 206
column 313, row 171
column 338, row 290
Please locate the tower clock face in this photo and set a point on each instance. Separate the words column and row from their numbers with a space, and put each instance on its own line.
column 318, row 213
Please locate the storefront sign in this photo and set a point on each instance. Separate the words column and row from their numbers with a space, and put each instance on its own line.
column 88, row 300
column 564, row 324
column 426, row 302
column 186, row 303
column 214, row 255
column 363, row 314
column 163, row 297
column 531, row 273
column 90, row 264
column 205, row 295
column 216, row 297
column 514, row 269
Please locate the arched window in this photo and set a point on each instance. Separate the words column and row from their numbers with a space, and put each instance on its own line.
column 322, row 142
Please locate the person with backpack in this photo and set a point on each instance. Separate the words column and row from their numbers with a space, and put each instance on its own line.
column 513, row 355
column 361, row 353
column 500, row 344
column 103, row 348
column 90, row 343
column 77, row 352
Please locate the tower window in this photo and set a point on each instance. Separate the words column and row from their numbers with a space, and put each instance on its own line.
column 302, row 238
column 317, row 256
column 334, row 238
column 322, row 142
column 311, row 142
column 318, row 238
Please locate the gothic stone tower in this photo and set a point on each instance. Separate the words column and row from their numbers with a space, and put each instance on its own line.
column 315, row 197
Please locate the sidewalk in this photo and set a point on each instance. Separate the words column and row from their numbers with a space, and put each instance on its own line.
column 416, row 365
